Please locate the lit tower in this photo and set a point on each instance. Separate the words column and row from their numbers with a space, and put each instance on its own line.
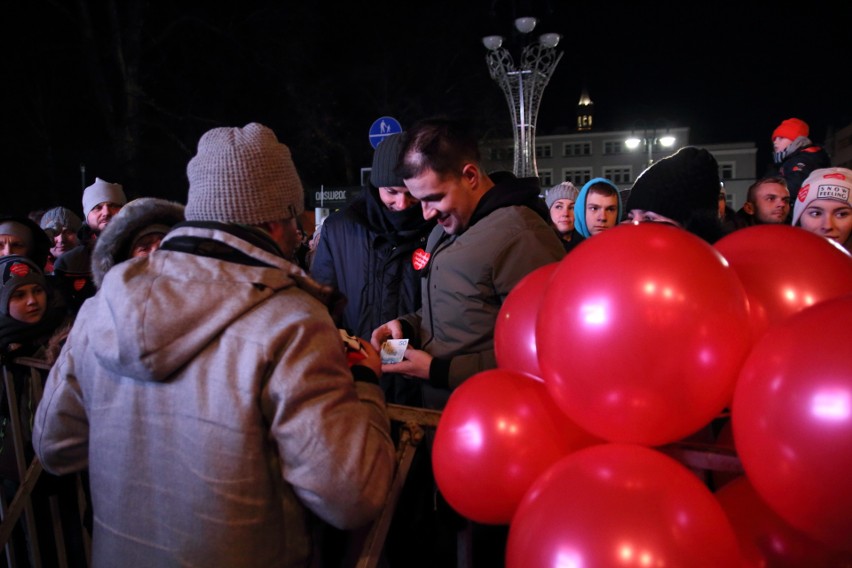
column 523, row 86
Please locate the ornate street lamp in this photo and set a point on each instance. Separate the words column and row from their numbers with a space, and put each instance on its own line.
column 650, row 139
column 523, row 86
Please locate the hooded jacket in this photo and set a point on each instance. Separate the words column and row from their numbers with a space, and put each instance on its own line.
column 113, row 244
column 580, row 206
column 365, row 252
column 797, row 161
column 206, row 389
column 468, row 277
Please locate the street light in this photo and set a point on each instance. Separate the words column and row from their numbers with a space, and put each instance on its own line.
column 650, row 139
column 523, row 86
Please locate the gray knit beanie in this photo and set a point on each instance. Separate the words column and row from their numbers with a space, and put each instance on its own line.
column 102, row 191
column 564, row 190
column 56, row 220
column 384, row 162
column 243, row 175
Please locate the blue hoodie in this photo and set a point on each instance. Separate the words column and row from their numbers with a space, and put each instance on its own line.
column 580, row 205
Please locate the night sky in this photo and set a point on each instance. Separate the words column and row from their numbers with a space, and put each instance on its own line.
column 126, row 88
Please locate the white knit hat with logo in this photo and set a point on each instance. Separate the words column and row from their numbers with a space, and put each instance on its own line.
column 243, row 175
column 825, row 183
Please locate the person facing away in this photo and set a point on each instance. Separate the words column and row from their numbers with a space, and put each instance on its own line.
column 206, row 389
column 794, row 154
column 824, row 205
column 136, row 231
column 366, row 252
column 490, row 234
column 598, row 207
column 61, row 225
column 560, row 201
column 767, row 202
column 101, row 202
column 681, row 190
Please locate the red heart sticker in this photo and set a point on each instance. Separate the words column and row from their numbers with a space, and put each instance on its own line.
column 19, row 269
column 420, row 259
column 79, row 283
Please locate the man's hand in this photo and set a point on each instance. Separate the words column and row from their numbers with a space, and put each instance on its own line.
column 416, row 363
column 389, row 330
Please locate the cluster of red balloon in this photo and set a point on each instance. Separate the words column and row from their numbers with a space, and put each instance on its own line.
column 639, row 338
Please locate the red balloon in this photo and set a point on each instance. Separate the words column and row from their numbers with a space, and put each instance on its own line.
column 766, row 539
column 641, row 334
column 792, row 420
column 498, row 432
column 785, row 269
column 514, row 331
column 619, row 505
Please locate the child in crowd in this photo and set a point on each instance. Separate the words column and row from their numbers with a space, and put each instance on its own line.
column 824, row 205
column 28, row 317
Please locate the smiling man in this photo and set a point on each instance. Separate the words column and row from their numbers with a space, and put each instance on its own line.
column 492, row 231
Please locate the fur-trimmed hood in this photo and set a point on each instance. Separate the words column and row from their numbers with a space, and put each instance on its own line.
column 113, row 244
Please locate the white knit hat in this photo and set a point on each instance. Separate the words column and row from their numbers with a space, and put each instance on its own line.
column 102, row 191
column 243, row 175
column 825, row 183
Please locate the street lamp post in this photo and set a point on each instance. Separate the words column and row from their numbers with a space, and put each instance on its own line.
column 650, row 139
column 523, row 86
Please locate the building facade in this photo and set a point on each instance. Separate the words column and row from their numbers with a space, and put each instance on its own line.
column 580, row 156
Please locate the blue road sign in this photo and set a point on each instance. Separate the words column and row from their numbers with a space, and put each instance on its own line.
column 382, row 128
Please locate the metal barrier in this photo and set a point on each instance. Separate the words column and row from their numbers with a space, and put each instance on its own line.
column 20, row 512
column 40, row 529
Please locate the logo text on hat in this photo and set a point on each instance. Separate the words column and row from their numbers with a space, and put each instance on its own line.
column 837, row 192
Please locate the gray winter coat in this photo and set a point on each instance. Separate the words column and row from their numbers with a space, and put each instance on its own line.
column 213, row 405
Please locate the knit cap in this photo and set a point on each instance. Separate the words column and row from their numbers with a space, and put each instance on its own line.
column 564, row 190
column 384, row 162
column 825, row 183
column 791, row 128
column 17, row 229
column 16, row 271
column 56, row 220
column 678, row 185
column 243, row 175
column 102, row 191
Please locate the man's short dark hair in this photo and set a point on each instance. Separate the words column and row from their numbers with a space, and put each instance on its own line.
column 440, row 144
column 753, row 187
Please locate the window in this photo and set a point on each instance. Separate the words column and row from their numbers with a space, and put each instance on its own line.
column 544, row 151
column 577, row 176
column 613, row 147
column 577, row 149
column 619, row 175
column 546, row 177
column 726, row 170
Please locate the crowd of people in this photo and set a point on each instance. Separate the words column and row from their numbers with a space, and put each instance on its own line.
column 198, row 377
